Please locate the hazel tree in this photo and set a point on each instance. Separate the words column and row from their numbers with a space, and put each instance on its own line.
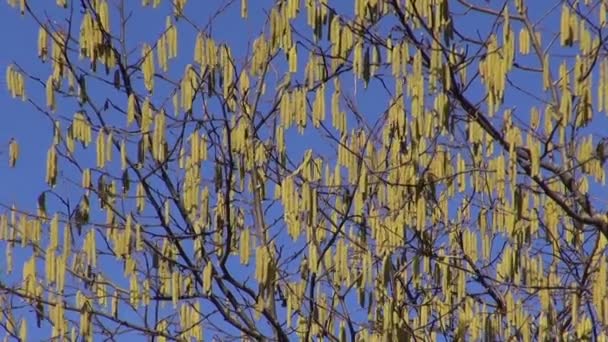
column 368, row 170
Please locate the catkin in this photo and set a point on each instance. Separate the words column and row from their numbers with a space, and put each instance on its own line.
column 131, row 110
column 178, row 8
column 43, row 43
column 524, row 41
column 171, row 38
column 109, row 147
column 123, row 155
column 158, row 137
column 175, row 101
column 244, row 9
column 161, row 50
column 244, row 247
column 207, row 277
column 146, row 117
column 147, row 67
column 103, row 12
column 50, row 94
column 101, row 149
column 23, row 330
column 293, row 59
column 51, row 167
column 13, row 153
column 566, row 27
column 175, row 287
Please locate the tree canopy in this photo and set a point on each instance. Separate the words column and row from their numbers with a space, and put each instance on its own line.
column 368, row 170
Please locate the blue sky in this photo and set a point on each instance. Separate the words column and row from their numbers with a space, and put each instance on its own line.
column 22, row 185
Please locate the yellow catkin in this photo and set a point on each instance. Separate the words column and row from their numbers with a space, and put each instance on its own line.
column 166, row 212
column 524, row 41
column 131, row 109
column 51, row 166
column 139, row 242
column 207, row 277
column 171, row 38
column 175, row 101
column 109, row 147
column 292, row 57
column 146, row 116
column 104, row 15
column 566, row 27
column 17, row 84
column 43, row 41
column 161, row 51
column 546, row 73
column 158, row 138
column 23, row 330
column 244, row 247
column 175, row 288
column 101, row 149
column 13, row 153
column 147, row 67
column 50, row 94
column 140, row 193
column 188, row 86
column 244, row 9
column 123, row 155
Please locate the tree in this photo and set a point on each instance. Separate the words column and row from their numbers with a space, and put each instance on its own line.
column 369, row 170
